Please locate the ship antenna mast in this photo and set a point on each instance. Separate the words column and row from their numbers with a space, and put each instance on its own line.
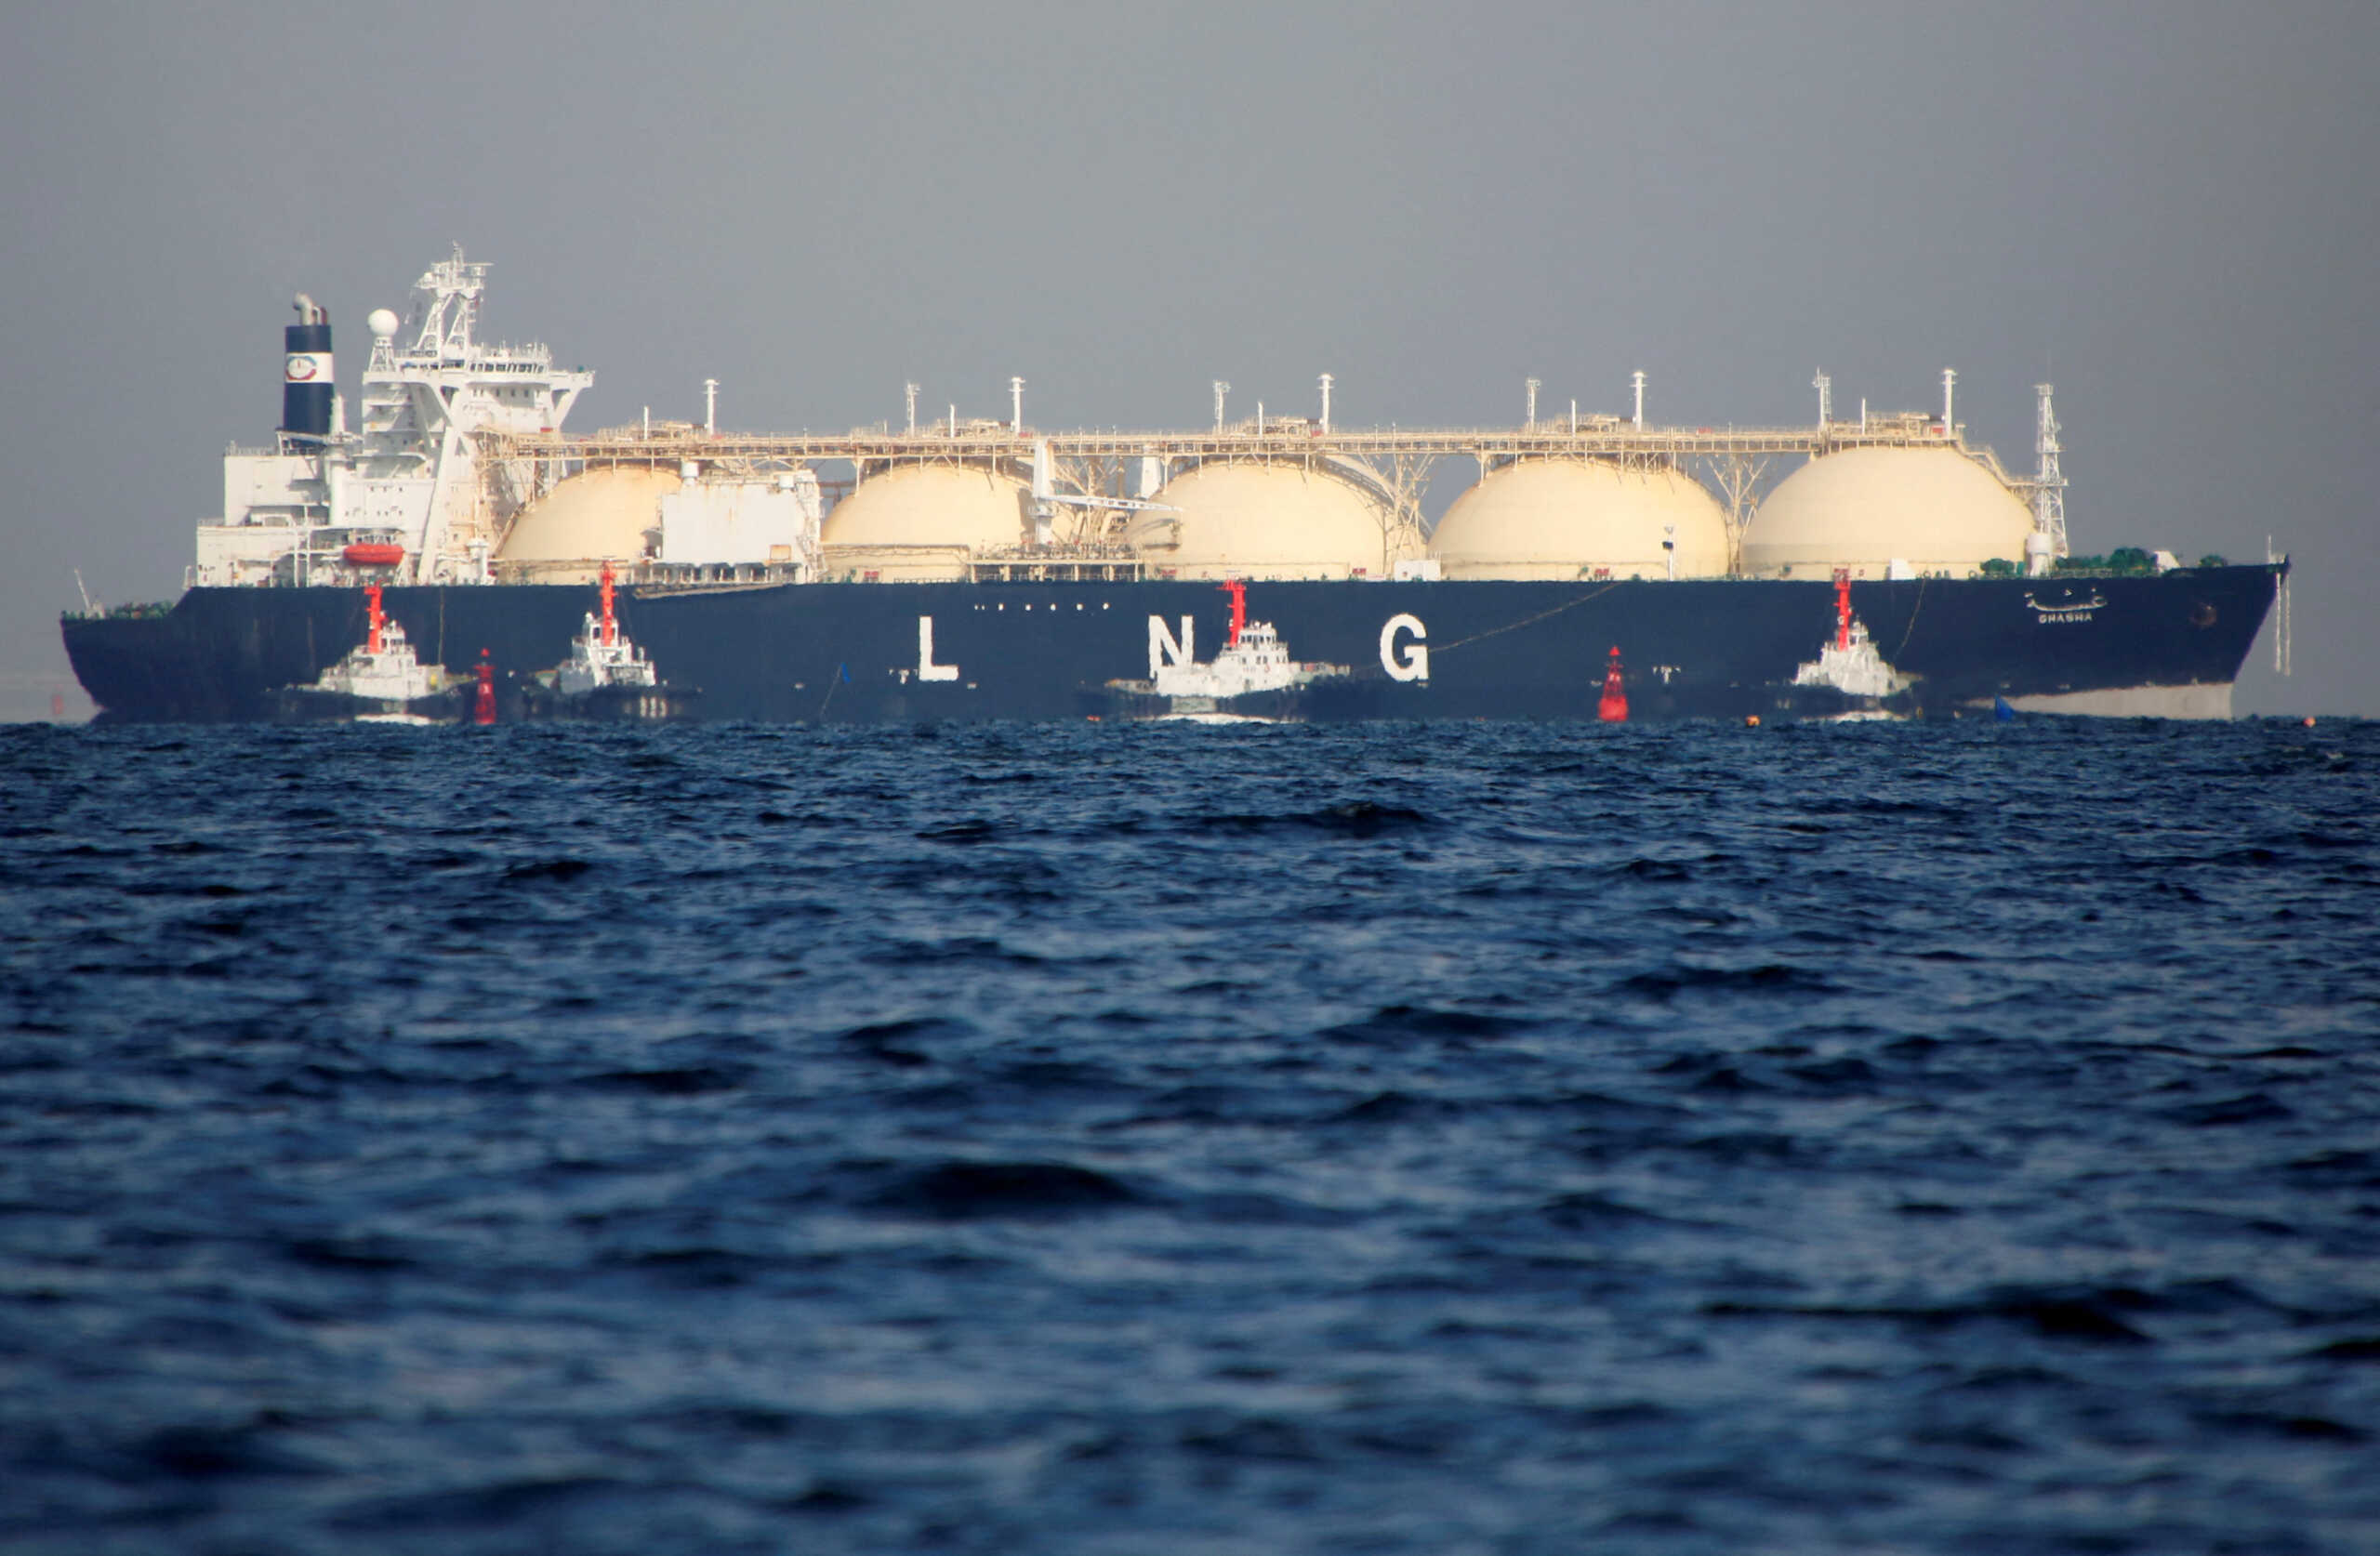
column 2049, row 485
column 453, row 289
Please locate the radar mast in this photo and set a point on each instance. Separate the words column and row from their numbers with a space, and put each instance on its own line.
column 2049, row 485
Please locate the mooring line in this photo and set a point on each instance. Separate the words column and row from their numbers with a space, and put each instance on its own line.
column 1525, row 621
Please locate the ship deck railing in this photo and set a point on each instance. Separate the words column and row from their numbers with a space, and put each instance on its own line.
column 1058, row 564
column 1597, row 439
column 135, row 611
column 697, row 575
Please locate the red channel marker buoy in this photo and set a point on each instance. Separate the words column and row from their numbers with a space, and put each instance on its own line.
column 484, row 702
column 1613, row 709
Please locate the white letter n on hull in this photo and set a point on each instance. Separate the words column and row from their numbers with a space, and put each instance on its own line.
column 1164, row 651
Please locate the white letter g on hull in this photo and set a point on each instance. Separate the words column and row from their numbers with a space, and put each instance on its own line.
column 1404, row 661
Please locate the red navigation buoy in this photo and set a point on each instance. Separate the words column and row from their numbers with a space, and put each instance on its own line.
column 484, row 702
column 1613, row 709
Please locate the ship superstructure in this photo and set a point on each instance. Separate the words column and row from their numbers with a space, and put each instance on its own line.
column 410, row 496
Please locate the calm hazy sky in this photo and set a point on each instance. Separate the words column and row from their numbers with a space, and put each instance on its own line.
column 2170, row 209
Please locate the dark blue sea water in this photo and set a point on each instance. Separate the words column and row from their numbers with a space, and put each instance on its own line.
column 1479, row 1139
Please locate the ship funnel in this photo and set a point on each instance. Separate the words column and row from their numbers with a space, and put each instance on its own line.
column 306, row 377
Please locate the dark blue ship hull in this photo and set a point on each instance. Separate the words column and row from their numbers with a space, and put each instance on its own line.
column 1717, row 648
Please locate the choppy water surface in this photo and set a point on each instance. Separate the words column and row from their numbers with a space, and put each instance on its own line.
column 1074, row 1138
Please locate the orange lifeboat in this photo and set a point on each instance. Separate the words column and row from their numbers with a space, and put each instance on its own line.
column 372, row 554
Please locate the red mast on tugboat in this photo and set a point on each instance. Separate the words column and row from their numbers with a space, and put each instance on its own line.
column 1238, row 590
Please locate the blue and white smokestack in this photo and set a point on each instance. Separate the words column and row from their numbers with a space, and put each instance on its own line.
column 306, row 382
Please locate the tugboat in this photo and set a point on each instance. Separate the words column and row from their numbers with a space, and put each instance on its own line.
column 1252, row 681
column 607, row 677
column 1851, row 666
column 378, row 681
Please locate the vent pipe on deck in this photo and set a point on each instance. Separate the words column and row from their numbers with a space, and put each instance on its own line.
column 1044, row 501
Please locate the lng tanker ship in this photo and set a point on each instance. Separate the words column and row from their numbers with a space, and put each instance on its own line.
column 981, row 569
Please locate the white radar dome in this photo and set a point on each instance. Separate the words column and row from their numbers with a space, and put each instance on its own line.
column 381, row 323
column 918, row 522
column 612, row 513
column 1582, row 517
column 1264, row 520
column 1862, row 509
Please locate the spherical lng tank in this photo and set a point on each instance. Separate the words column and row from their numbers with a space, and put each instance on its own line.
column 1255, row 520
column 917, row 524
column 1933, row 509
column 611, row 513
column 1582, row 517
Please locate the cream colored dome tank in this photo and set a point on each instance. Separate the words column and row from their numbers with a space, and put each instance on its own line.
column 920, row 522
column 1582, row 517
column 610, row 513
column 1933, row 509
column 1264, row 520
